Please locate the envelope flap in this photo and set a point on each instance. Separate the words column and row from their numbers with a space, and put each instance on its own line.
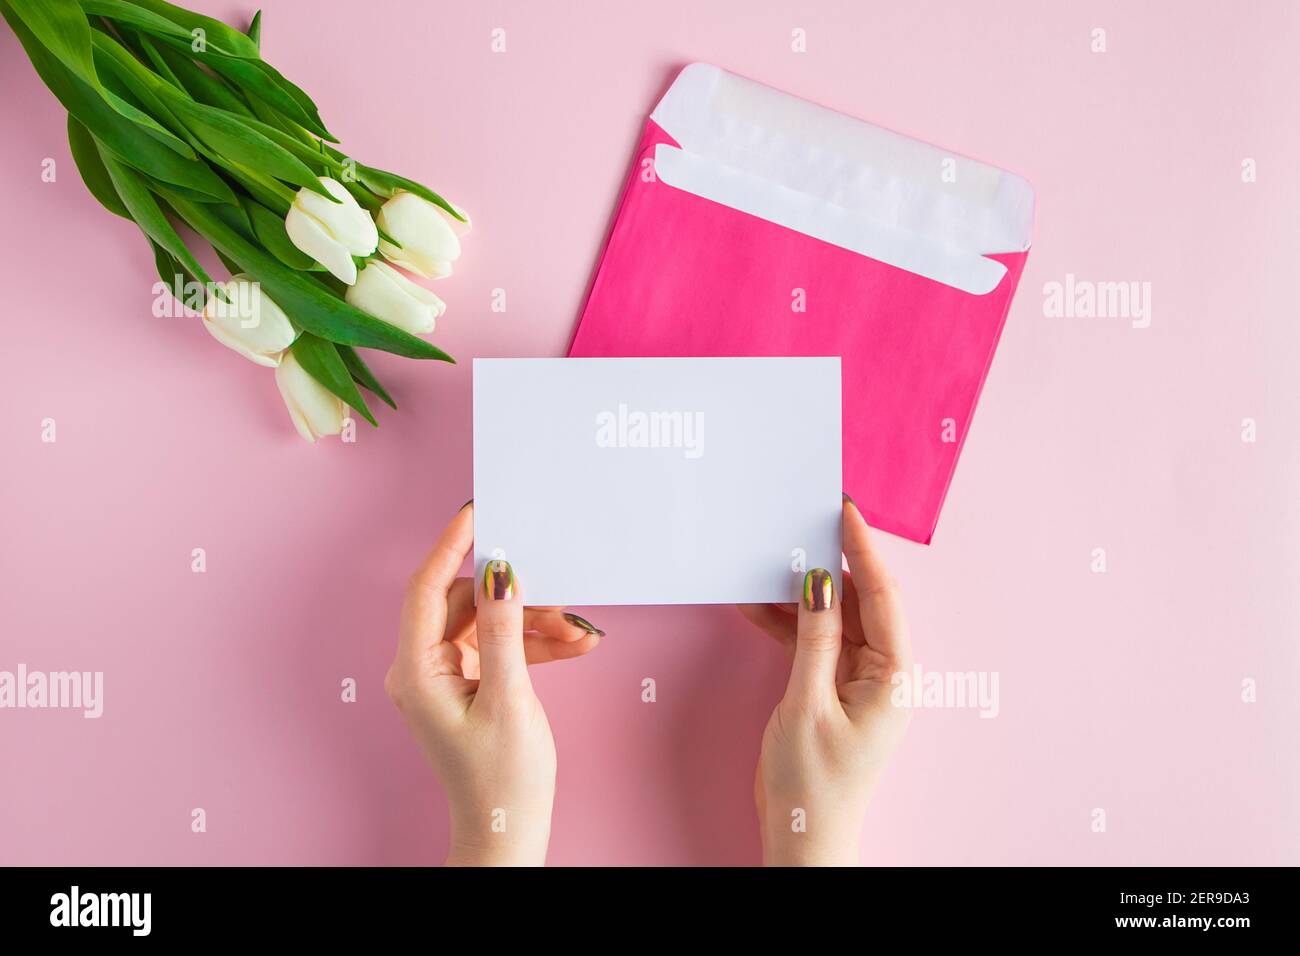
column 868, row 171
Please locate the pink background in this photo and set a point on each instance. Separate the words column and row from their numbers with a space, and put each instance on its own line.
column 1119, row 691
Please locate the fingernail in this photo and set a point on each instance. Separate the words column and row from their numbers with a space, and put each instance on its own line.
column 849, row 499
column 583, row 623
column 818, row 590
column 465, row 505
column 498, row 580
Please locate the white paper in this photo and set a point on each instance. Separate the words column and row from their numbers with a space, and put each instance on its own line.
column 871, row 190
column 658, row 480
column 942, row 262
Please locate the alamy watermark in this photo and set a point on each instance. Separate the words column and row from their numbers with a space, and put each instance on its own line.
column 76, row 908
column 53, row 690
column 940, row 690
column 630, row 428
column 1085, row 299
column 238, row 300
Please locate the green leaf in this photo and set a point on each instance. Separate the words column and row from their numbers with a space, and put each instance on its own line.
column 136, row 16
column 313, row 158
column 144, row 210
column 60, row 27
column 233, row 54
column 93, row 174
column 367, row 201
column 126, row 139
column 61, row 30
column 231, row 136
column 126, row 36
column 322, row 362
column 337, row 287
column 278, row 120
column 306, row 301
column 299, row 96
column 269, row 229
column 256, row 78
column 233, row 267
column 361, row 373
column 146, row 122
column 269, row 192
column 215, row 33
column 386, row 183
column 172, row 273
column 137, row 79
column 195, row 80
column 144, row 46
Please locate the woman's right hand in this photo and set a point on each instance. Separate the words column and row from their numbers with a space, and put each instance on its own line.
column 833, row 732
column 460, row 680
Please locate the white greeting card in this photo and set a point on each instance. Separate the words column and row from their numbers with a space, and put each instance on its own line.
column 658, row 480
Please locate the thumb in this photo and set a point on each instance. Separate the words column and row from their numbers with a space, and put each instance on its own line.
column 499, row 623
column 817, row 638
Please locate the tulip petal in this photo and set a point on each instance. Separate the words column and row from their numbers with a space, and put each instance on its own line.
column 248, row 322
column 345, row 221
column 429, row 245
column 413, row 261
column 387, row 294
column 314, row 410
column 311, row 237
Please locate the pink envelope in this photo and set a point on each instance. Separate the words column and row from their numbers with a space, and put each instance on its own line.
column 756, row 223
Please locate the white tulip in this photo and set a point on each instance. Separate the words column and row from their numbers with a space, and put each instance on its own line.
column 315, row 410
column 250, row 323
column 387, row 294
column 331, row 232
column 429, row 237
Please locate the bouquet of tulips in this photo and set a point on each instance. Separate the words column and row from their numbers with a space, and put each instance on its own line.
column 174, row 118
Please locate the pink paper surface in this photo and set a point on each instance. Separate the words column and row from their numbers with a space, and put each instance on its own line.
column 682, row 275
column 1120, row 691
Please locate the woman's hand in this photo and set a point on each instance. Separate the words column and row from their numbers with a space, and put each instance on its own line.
column 460, row 680
column 833, row 732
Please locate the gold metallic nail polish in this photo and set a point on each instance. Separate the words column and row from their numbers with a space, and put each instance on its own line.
column 583, row 623
column 499, row 580
column 818, row 590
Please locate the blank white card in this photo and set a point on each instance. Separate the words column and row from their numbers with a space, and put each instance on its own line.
column 658, row 480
